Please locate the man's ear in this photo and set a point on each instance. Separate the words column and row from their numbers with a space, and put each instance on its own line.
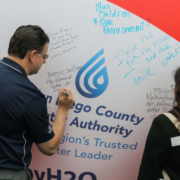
column 32, row 55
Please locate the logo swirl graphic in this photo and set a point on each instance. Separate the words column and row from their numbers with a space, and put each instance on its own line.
column 99, row 88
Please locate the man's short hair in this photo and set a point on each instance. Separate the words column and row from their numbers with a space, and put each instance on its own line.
column 25, row 39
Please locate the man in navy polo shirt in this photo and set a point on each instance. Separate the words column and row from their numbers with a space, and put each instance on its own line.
column 23, row 108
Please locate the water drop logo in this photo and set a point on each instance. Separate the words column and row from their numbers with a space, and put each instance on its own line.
column 95, row 82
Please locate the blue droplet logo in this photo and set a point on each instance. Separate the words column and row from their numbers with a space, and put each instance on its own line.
column 99, row 88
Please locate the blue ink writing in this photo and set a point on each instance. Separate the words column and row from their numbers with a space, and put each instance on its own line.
column 123, row 30
column 170, row 56
column 142, row 75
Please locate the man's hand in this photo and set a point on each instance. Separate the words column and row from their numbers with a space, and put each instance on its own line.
column 65, row 103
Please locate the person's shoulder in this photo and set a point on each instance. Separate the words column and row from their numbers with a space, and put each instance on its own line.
column 163, row 122
column 161, row 119
column 161, row 116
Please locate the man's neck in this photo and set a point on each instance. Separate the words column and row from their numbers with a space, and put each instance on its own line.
column 21, row 62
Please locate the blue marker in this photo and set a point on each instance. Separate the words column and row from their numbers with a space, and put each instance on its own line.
column 65, row 93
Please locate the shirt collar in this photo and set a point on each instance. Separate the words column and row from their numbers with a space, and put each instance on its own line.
column 12, row 64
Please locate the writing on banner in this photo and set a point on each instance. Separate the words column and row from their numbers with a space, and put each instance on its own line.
column 61, row 78
column 106, row 17
column 98, row 142
column 101, row 111
column 62, row 41
column 141, row 59
column 159, row 100
column 95, row 125
column 40, row 175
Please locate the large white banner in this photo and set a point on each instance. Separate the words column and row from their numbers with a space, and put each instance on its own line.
column 119, row 68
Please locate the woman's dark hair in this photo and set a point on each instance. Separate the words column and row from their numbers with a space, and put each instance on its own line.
column 25, row 39
column 176, row 104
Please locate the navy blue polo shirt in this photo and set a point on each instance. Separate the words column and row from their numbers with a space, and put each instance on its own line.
column 23, row 116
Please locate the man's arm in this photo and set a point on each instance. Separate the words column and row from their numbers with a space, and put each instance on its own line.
column 50, row 147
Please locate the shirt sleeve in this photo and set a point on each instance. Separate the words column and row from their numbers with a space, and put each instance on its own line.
column 156, row 151
column 36, row 119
